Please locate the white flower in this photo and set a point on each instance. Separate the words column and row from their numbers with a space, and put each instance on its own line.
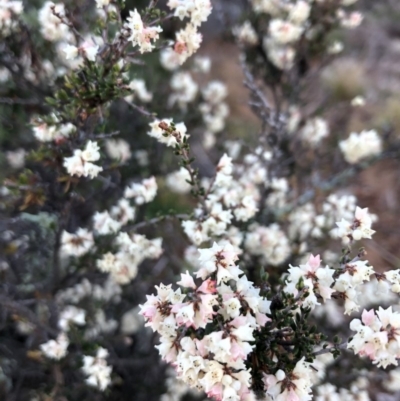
column 352, row 21
column 102, row 3
column 314, row 131
column 70, row 51
column 178, row 181
column 104, row 224
column 169, row 59
column 169, row 140
column 358, row 101
column 80, row 163
column 284, row 32
column 281, row 56
column 97, row 370
column 299, row 12
column 141, row 35
column 202, row 64
column 143, row 192
column 16, row 158
column 91, row 152
column 215, row 92
column 360, row 146
column 138, row 86
column 71, row 314
column 56, row 349
column 245, row 33
column 336, row 47
column 89, row 49
column 118, row 149
column 184, row 89
column 76, row 244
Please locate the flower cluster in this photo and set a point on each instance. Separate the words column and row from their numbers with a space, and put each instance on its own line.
column 80, row 164
column 56, row 349
column 227, row 306
column 359, row 228
column 314, row 278
column 188, row 39
column 9, row 9
column 237, row 330
column 290, row 24
column 52, row 132
column 97, row 370
column 361, row 146
column 214, row 111
column 76, row 244
column 377, row 336
column 132, row 251
column 51, row 18
column 139, row 34
column 294, row 386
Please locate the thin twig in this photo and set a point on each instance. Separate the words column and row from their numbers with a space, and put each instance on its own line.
column 141, row 110
column 29, row 102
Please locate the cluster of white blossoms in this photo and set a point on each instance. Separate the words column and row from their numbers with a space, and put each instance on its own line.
column 8, row 10
column 270, row 243
column 109, row 292
column 16, row 158
column 139, row 34
column 184, row 89
column 56, row 349
column 350, row 283
column 246, row 34
column 317, row 279
column 80, row 164
column 214, row 110
column 52, row 27
column 314, row 131
column 357, row 229
column 169, row 140
column 228, row 307
column 88, row 49
column 52, row 132
column 140, row 91
column 329, row 392
column 288, row 25
column 188, row 39
column 226, row 200
column 178, row 181
column 132, row 250
column 311, row 131
column 378, row 336
column 305, row 220
column 76, row 244
column 177, row 389
column 142, row 192
column 71, row 314
column 110, row 222
column 118, row 149
column 97, row 370
column 360, row 146
column 393, row 276
column 295, row 386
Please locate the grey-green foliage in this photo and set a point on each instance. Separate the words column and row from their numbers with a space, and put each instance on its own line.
column 31, row 254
